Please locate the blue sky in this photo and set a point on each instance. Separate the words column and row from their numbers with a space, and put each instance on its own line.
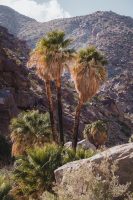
column 45, row 10
column 81, row 7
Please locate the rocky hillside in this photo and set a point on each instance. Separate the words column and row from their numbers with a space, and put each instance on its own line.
column 110, row 32
column 15, row 93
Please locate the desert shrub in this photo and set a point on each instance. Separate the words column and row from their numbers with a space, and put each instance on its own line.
column 131, row 138
column 35, row 173
column 96, row 133
column 69, row 154
column 5, row 188
column 93, row 182
column 29, row 129
column 48, row 196
column 106, row 183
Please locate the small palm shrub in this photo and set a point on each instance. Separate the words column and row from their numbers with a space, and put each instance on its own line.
column 34, row 173
column 96, row 133
column 69, row 155
column 5, row 188
column 29, row 129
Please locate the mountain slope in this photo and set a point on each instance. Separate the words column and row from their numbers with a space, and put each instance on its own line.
column 14, row 21
column 15, row 85
column 110, row 32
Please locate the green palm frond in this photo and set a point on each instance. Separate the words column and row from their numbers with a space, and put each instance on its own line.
column 86, row 55
column 69, row 154
column 29, row 129
column 36, row 171
column 31, row 122
column 5, row 188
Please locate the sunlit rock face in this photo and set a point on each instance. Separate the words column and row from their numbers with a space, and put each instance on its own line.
column 72, row 178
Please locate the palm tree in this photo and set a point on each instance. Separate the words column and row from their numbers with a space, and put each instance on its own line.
column 29, row 129
column 38, row 59
column 56, row 55
column 88, row 74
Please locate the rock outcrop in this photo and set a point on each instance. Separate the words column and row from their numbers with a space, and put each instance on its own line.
column 71, row 178
column 15, row 93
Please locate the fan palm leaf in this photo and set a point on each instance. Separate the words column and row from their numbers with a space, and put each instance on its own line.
column 29, row 129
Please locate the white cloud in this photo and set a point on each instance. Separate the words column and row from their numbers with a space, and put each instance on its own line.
column 41, row 12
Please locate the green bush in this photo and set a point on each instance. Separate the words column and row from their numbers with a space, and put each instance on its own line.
column 34, row 173
column 29, row 129
column 69, row 155
column 96, row 132
column 5, row 188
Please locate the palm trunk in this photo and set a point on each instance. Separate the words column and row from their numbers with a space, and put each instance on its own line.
column 76, row 125
column 60, row 115
column 51, row 110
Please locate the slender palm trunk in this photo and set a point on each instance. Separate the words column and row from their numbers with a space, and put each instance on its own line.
column 76, row 125
column 51, row 109
column 60, row 115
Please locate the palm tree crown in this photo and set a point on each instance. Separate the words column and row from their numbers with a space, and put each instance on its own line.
column 50, row 55
column 88, row 73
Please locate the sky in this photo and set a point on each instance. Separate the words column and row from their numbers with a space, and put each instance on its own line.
column 45, row 10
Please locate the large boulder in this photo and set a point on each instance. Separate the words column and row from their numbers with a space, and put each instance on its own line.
column 70, row 180
column 85, row 144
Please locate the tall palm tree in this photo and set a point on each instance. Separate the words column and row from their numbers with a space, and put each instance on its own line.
column 38, row 59
column 57, row 56
column 88, row 74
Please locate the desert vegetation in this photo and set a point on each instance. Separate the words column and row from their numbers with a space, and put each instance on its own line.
column 38, row 137
column 96, row 133
column 29, row 129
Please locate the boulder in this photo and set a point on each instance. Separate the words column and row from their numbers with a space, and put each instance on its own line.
column 70, row 180
column 85, row 144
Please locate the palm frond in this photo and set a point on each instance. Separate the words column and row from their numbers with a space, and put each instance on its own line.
column 89, row 72
column 28, row 129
